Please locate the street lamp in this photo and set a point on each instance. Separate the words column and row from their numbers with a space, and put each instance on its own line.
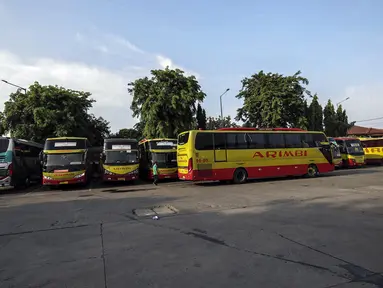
column 14, row 85
column 337, row 104
column 220, row 101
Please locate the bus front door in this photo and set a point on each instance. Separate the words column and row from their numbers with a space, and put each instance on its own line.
column 220, row 147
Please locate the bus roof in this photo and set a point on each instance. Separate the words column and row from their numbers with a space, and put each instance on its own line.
column 244, row 129
column 346, row 138
column 120, row 139
column 259, row 129
column 67, row 138
column 156, row 139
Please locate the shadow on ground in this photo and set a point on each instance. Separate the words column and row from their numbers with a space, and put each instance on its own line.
column 316, row 241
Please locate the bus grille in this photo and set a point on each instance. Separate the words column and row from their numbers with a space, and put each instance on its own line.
column 2, row 159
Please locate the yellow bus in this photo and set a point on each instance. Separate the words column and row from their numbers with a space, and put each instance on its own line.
column 241, row 153
column 120, row 161
column 352, row 151
column 64, row 161
column 164, row 152
column 373, row 150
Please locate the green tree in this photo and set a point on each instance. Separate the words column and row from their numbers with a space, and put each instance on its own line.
column 201, row 117
column 166, row 102
column 52, row 111
column 329, row 120
column 216, row 123
column 130, row 133
column 315, row 115
column 342, row 122
column 273, row 100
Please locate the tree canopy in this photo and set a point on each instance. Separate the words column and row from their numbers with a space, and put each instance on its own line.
column 201, row 117
column 273, row 100
column 130, row 133
column 166, row 102
column 52, row 111
column 314, row 115
column 216, row 123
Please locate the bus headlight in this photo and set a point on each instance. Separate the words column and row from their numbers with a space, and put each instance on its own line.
column 107, row 172
column 133, row 172
column 80, row 175
column 47, row 177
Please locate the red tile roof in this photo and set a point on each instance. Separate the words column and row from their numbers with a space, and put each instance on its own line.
column 359, row 130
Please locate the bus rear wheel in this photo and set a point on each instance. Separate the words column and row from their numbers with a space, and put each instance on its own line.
column 240, row 176
column 312, row 171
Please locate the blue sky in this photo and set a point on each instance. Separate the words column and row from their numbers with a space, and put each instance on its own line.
column 100, row 46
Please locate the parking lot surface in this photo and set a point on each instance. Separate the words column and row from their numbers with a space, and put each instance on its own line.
column 321, row 232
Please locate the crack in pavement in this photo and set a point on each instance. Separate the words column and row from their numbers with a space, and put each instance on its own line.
column 359, row 274
column 103, row 253
column 231, row 246
column 43, row 230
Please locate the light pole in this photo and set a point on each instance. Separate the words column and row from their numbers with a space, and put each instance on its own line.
column 220, row 101
column 14, row 85
column 337, row 104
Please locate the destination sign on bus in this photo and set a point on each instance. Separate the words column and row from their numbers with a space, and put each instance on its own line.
column 65, row 144
column 121, row 147
column 166, row 144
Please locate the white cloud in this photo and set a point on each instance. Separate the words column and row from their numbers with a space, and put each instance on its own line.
column 123, row 42
column 167, row 62
column 109, row 88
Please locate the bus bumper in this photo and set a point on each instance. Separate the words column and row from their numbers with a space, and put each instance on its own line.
column 56, row 182
column 124, row 177
column 5, row 182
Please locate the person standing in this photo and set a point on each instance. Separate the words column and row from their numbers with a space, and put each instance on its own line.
column 155, row 173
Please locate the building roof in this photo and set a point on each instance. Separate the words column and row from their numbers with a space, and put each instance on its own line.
column 359, row 130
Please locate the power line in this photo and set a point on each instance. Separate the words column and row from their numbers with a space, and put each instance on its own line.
column 372, row 119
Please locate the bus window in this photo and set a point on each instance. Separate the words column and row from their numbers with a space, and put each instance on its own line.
column 231, row 140
column 4, row 143
column 183, row 138
column 293, row 140
column 276, row 140
column 219, row 141
column 242, row 141
column 257, row 140
column 204, row 141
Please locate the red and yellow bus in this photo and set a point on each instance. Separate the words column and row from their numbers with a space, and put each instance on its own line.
column 352, row 152
column 164, row 152
column 241, row 153
column 373, row 150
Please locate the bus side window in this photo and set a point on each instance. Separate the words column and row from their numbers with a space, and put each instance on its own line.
column 293, row 140
column 276, row 140
column 231, row 140
column 257, row 140
column 204, row 141
column 219, row 141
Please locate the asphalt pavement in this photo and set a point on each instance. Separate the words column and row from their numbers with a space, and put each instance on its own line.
column 295, row 232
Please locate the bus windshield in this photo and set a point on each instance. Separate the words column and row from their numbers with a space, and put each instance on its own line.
column 65, row 159
column 121, row 157
column 165, row 159
column 354, row 147
column 4, row 145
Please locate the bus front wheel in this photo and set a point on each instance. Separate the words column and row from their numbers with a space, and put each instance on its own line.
column 240, row 176
column 312, row 171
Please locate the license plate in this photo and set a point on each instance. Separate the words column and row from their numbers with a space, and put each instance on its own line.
column 65, row 182
column 167, row 176
column 121, row 179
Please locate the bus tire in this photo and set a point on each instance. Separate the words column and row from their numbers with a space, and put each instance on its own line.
column 240, row 176
column 312, row 171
